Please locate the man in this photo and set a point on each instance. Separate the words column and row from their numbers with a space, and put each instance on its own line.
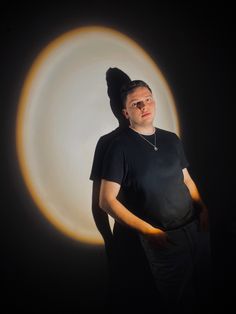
column 127, row 263
column 148, row 167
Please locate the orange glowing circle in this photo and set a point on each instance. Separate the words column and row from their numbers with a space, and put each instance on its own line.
column 55, row 143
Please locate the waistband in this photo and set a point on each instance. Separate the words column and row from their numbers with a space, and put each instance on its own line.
column 187, row 224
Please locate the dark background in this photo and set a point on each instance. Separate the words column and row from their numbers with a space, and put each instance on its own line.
column 41, row 269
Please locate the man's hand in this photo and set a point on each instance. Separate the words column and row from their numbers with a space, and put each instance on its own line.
column 157, row 238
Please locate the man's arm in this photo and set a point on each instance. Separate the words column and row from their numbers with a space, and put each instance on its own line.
column 196, row 198
column 108, row 201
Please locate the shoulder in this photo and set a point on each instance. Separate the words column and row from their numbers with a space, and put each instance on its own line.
column 167, row 134
column 108, row 137
column 114, row 144
column 105, row 140
column 118, row 141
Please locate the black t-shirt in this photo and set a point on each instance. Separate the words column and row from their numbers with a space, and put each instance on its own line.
column 101, row 147
column 152, row 185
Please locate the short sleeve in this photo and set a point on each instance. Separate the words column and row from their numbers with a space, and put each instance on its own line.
column 113, row 163
column 183, row 160
column 97, row 161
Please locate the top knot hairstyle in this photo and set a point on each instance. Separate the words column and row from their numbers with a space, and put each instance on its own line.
column 129, row 87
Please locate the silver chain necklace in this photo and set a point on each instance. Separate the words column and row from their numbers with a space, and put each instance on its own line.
column 154, row 145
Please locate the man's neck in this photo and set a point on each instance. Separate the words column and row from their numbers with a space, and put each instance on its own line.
column 146, row 130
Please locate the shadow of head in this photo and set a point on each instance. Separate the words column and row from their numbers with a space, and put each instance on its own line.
column 115, row 80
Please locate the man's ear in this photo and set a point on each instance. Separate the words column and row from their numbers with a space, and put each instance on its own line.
column 125, row 113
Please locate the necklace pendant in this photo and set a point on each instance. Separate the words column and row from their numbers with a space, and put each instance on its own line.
column 155, row 148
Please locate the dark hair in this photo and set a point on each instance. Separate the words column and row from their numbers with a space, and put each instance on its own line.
column 129, row 87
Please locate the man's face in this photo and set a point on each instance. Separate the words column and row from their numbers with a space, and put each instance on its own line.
column 140, row 107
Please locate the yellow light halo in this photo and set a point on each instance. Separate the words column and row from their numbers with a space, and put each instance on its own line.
column 26, row 94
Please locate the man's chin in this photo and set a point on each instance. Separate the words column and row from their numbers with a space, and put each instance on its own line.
column 147, row 121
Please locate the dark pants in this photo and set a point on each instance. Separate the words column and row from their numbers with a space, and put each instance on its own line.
column 131, row 282
column 182, row 269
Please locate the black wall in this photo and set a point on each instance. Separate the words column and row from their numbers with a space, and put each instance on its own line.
column 192, row 45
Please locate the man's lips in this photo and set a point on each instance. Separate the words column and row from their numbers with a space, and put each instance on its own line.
column 146, row 114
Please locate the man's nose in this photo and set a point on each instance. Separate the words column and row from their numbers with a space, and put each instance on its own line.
column 141, row 104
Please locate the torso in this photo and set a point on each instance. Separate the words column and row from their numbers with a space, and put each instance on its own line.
column 153, row 186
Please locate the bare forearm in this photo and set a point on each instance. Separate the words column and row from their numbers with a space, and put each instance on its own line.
column 120, row 213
